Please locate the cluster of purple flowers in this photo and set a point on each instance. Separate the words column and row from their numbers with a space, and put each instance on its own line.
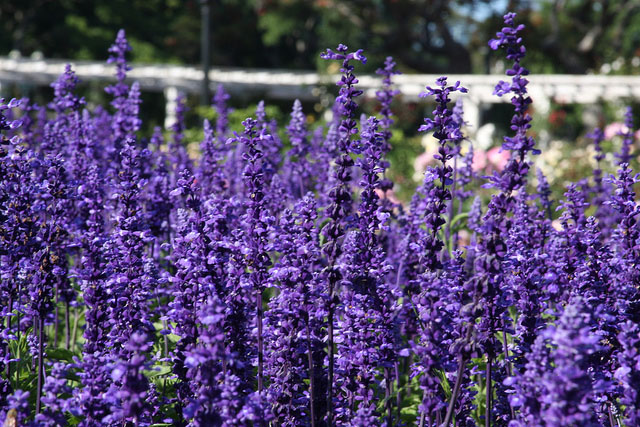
column 252, row 285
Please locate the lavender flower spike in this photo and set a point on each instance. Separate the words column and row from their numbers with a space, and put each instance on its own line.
column 514, row 175
column 63, row 91
column 340, row 195
column 118, row 53
column 385, row 97
column 447, row 131
column 627, row 138
column 629, row 371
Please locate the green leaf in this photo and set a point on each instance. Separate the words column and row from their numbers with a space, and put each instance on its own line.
column 458, row 217
column 158, row 371
column 60, row 354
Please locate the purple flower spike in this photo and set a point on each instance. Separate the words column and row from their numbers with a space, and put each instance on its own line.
column 257, row 224
column 346, row 98
column 341, row 202
column 178, row 156
column 63, row 91
column 629, row 371
column 514, row 174
column 293, row 323
column 624, row 156
column 210, row 174
column 118, row 52
column 385, row 97
column 222, row 120
column 447, row 131
column 131, row 400
column 297, row 167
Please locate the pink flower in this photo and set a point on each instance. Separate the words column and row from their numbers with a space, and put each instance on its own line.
column 464, row 238
column 390, row 195
column 423, row 160
column 479, row 160
column 613, row 129
column 487, row 161
column 498, row 158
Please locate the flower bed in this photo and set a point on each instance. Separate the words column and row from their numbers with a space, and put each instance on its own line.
column 259, row 286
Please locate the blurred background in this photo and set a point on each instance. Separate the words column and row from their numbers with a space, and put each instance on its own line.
column 576, row 37
column 424, row 36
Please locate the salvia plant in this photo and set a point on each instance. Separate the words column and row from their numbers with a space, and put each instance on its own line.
column 253, row 285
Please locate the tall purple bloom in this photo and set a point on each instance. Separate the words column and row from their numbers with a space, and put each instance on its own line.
column 177, row 151
column 64, row 98
column 625, row 238
column 491, row 249
column 607, row 217
column 624, row 156
column 296, row 166
column 272, row 151
column 217, row 391
column 129, row 276
column 527, row 387
column 119, row 91
column 69, row 119
column 226, row 260
column 437, row 306
column 117, row 56
column 366, row 328
column 569, row 389
column 91, row 277
column 567, row 247
column 514, row 174
column 462, row 173
column 131, row 400
column 210, row 174
column 447, row 131
column 49, row 260
column 426, row 282
column 222, row 110
column 385, row 97
column 56, row 405
column 525, row 265
column 340, row 207
column 159, row 204
column 195, row 278
column 257, row 223
column 292, row 324
column 422, row 247
column 556, row 388
column 628, row 374
column 17, row 229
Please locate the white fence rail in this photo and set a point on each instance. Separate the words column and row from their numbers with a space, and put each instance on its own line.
column 288, row 84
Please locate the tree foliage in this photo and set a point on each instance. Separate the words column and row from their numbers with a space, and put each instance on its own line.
column 428, row 36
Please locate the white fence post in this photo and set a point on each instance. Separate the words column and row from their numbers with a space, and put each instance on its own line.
column 171, row 102
column 471, row 108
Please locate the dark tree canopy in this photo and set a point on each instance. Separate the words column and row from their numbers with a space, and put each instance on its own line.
column 428, row 36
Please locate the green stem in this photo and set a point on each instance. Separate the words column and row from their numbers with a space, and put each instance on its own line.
column 260, row 343
column 8, row 369
column 40, row 363
column 67, row 326
column 76, row 316
column 487, row 417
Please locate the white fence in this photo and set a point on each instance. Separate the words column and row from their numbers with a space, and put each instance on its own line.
column 288, row 84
